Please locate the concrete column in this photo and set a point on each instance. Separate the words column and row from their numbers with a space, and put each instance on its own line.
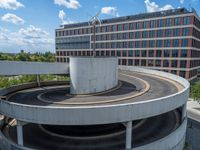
column 128, row 135
column 38, row 79
column 20, row 140
column 183, row 112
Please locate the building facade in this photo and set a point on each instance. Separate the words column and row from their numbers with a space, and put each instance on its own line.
column 167, row 40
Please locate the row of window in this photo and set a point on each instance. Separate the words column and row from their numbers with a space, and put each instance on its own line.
column 196, row 33
column 129, row 53
column 195, row 54
column 197, row 22
column 144, row 44
column 144, row 34
column 194, row 63
column 195, row 43
column 129, row 26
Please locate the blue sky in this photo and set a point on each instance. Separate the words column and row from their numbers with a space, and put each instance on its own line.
column 30, row 24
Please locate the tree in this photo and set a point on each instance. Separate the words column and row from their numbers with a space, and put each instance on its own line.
column 195, row 91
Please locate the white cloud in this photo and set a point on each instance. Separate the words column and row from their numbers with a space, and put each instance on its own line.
column 181, row 1
column 12, row 18
column 10, row 4
column 73, row 4
column 62, row 17
column 153, row 7
column 3, row 37
column 110, row 11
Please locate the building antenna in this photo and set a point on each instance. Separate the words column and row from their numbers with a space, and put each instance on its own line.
column 93, row 21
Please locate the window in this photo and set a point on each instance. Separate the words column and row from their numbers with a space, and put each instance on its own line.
column 137, row 35
column 119, row 45
column 131, row 26
column 125, row 35
column 174, row 63
column 138, row 25
column 166, row 53
column 176, row 32
column 137, row 62
column 160, row 23
column 150, row 62
column 166, row 63
column 131, row 44
column 144, row 34
column 112, row 53
column 126, row 26
column 152, row 23
column 185, row 31
column 119, row 36
column 186, row 20
column 159, row 33
column 169, row 22
column 137, row 44
column 137, row 53
column 143, row 62
column 158, row 63
column 118, row 53
column 173, row 71
column 167, row 43
column 151, row 43
column 152, row 34
column 183, row 53
column 144, row 53
column 183, row 63
column 174, row 53
column 130, row 62
column 158, row 53
column 130, row 53
column 146, row 24
column 168, row 32
column 123, row 61
column 131, row 35
column 176, row 43
column 159, row 43
column 184, row 42
column 182, row 74
column 177, row 21
column 144, row 44
column 119, row 27
column 114, row 27
column 124, row 53
column 125, row 44
column 151, row 53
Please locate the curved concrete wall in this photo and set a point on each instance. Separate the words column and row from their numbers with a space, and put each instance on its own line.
column 86, row 115
column 28, row 68
column 93, row 74
column 174, row 141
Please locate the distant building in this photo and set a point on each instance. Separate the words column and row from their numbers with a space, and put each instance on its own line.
column 167, row 40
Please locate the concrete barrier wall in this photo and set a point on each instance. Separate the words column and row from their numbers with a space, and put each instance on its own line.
column 174, row 141
column 93, row 74
column 86, row 115
column 29, row 68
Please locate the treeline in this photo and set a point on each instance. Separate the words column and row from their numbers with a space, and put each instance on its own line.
column 24, row 56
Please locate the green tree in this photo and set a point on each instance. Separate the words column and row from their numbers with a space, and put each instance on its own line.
column 195, row 91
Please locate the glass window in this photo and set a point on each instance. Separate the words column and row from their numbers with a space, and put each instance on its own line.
column 131, row 26
column 112, row 45
column 137, row 35
column 119, row 27
column 145, row 24
column 167, row 43
column 166, row 63
column 182, row 74
column 159, row 33
column 173, row 71
column 137, row 44
column 158, row 53
column 176, row 32
column 152, row 34
column 183, row 53
column 184, row 42
column 151, row 53
column 168, row 32
column 144, row 34
column 124, row 53
column 152, row 23
column 144, row 44
column 144, row 53
column 151, row 43
column 186, row 20
column 166, row 53
column 131, row 44
column 125, row 44
column 174, row 53
column 130, row 62
column 137, row 53
column 119, row 45
column 150, row 62
column 143, row 62
column 131, row 35
column 114, row 28
column 119, row 36
column 176, row 43
column 158, row 63
column 130, row 53
column 112, row 53
column 169, row 22
column 125, row 35
column 126, row 26
column 159, row 43
column 183, row 63
column 123, row 61
column 138, row 25
column 185, row 31
column 118, row 53
column 137, row 62
column 177, row 21
column 160, row 23
column 174, row 63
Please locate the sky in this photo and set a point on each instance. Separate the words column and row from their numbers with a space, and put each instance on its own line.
column 30, row 24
